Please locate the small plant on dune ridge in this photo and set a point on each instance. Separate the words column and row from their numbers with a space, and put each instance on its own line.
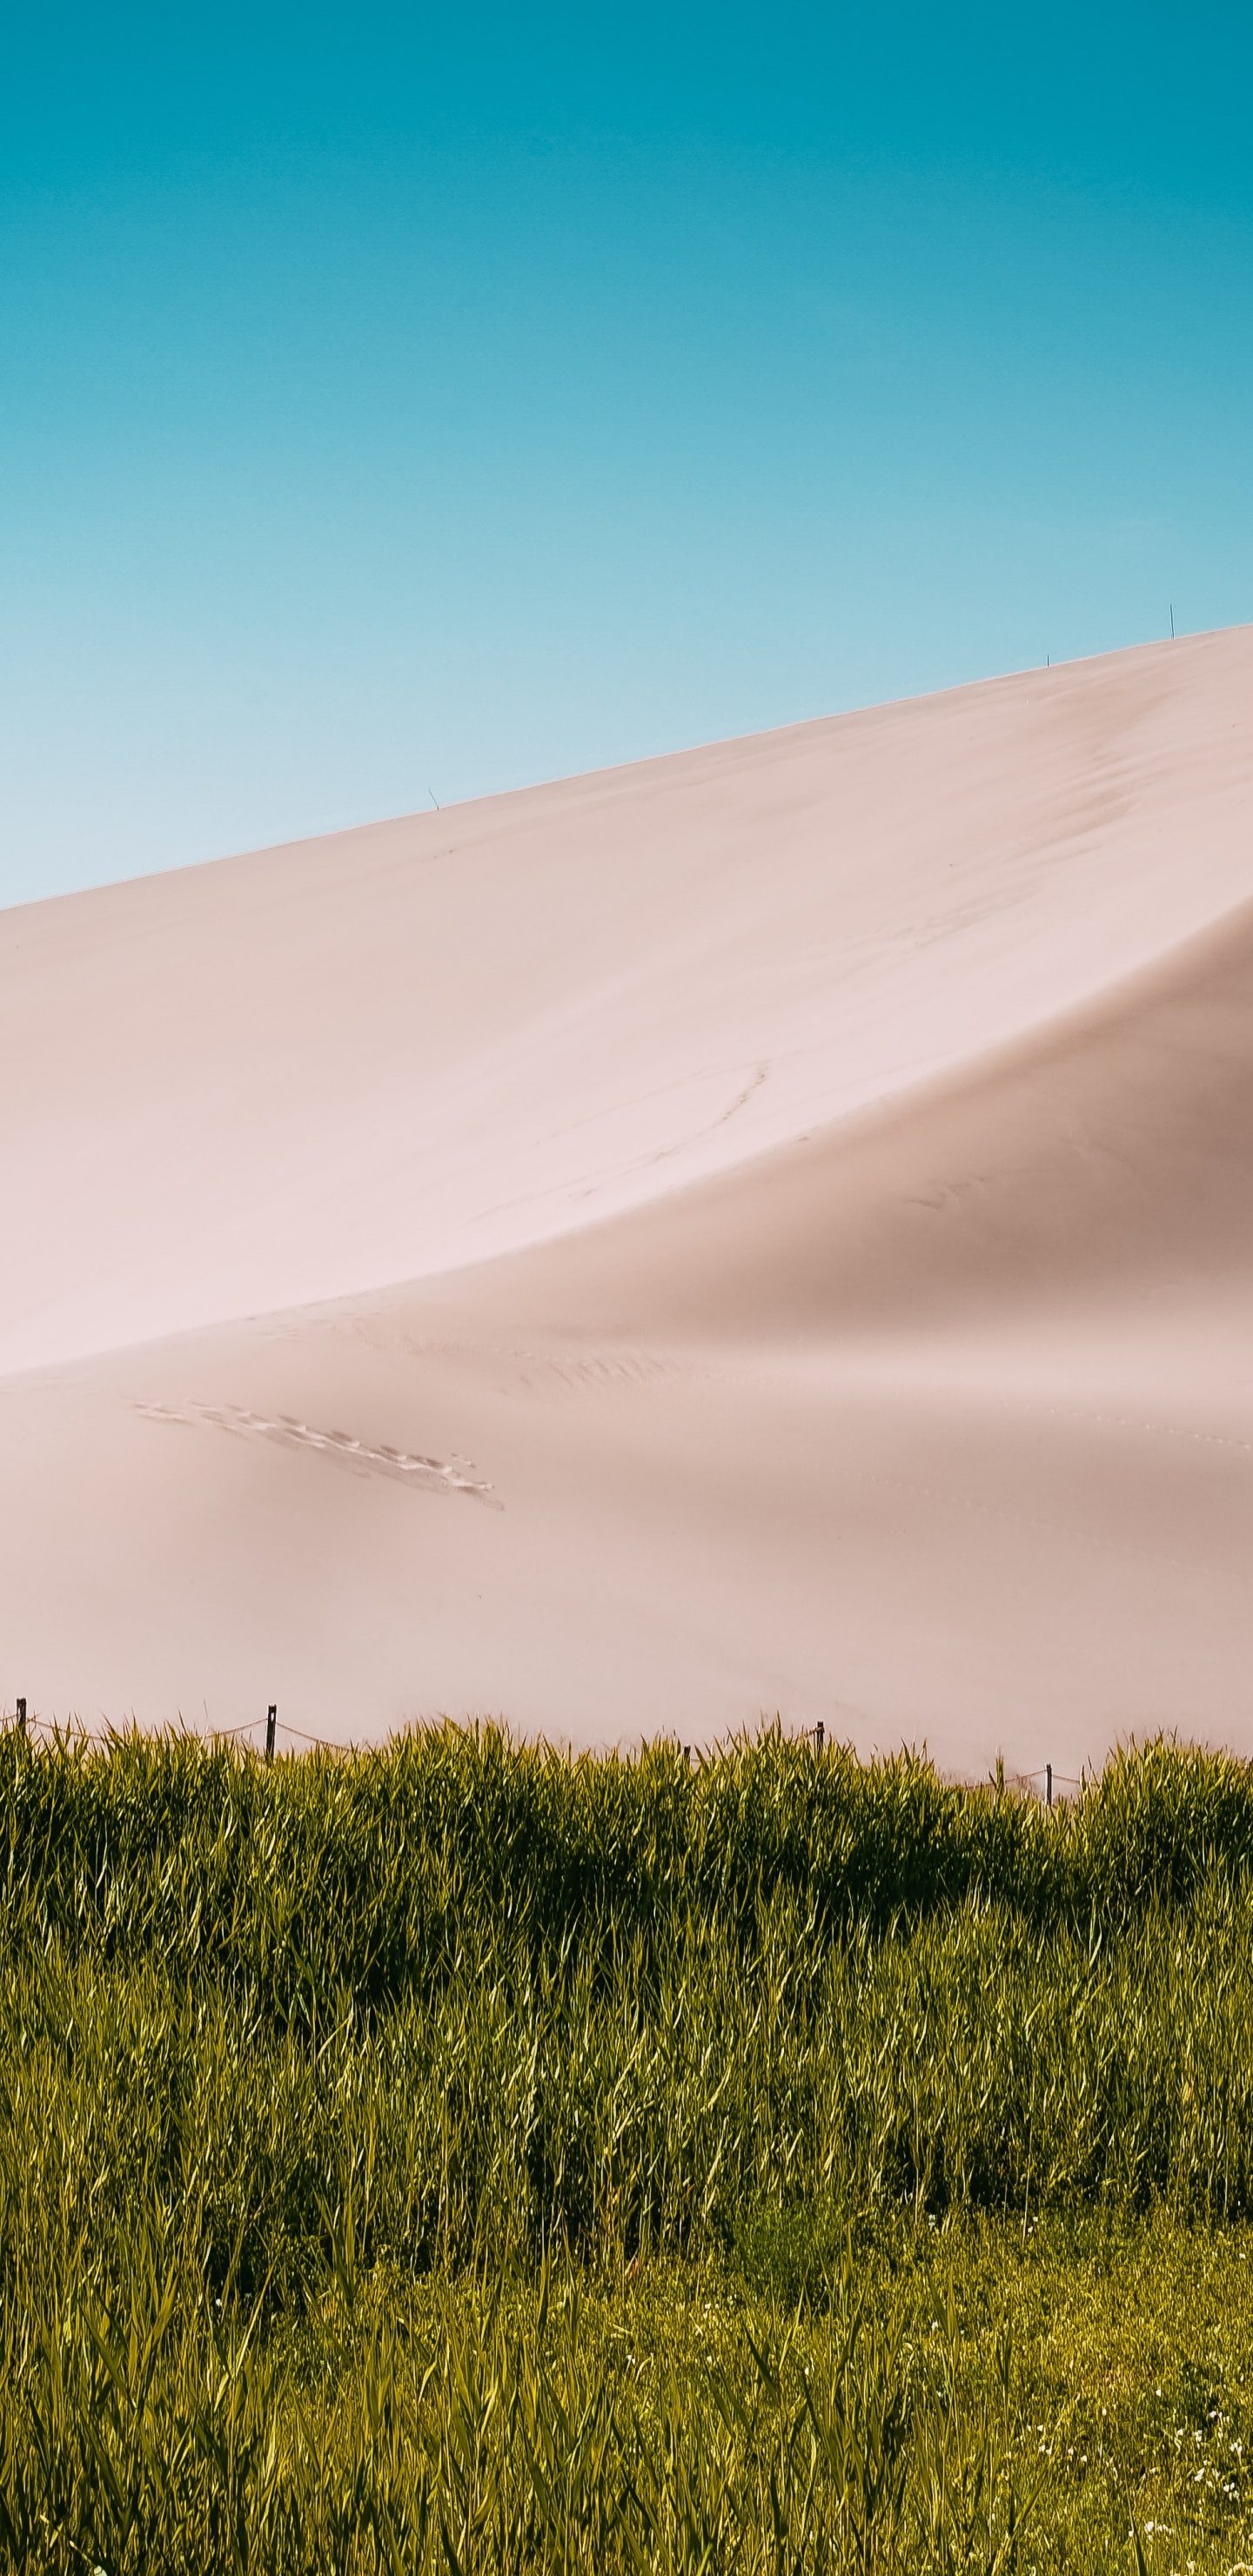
column 457, row 2155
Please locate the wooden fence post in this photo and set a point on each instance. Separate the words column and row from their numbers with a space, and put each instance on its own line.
column 271, row 1716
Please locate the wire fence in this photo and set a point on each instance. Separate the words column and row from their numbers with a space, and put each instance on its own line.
column 1045, row 1781
column 75, row 1730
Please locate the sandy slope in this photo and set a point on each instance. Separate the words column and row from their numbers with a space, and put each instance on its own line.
column 771, row 1228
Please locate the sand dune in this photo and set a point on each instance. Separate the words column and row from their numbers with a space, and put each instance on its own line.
column 766, row 1229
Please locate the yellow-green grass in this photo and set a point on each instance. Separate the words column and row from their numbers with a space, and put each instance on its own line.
column 458, row 2157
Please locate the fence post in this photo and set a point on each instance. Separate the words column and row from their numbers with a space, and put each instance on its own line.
column 1048, row 1784
column 818, row 1735
column 271, row 1716
column 21, row 1717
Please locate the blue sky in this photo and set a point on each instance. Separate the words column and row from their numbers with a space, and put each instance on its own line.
column 395, row 402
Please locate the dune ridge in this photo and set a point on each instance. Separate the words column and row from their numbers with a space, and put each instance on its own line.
column 807, row 1180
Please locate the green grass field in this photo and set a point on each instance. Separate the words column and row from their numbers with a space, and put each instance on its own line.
column 454, row 2157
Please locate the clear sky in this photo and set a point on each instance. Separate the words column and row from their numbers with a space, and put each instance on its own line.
column 398, row 402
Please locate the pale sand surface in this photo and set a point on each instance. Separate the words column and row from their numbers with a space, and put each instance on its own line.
column 770, row 1229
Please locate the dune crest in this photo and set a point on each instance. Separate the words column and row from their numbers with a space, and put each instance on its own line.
column 811, row 1178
